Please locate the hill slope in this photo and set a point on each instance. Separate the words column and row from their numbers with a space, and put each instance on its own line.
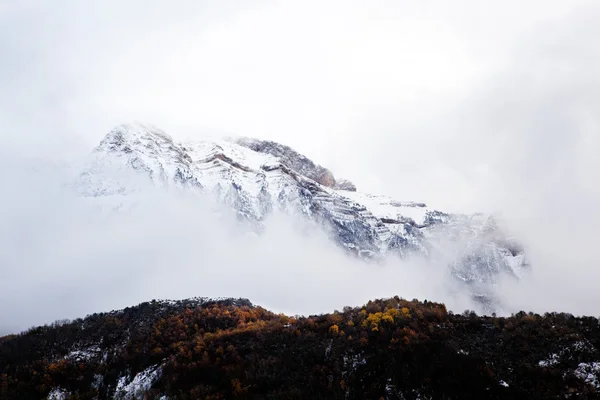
column 225, row 349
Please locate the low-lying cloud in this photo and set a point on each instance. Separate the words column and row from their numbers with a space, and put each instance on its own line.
column 64, row 256
column 471, row 106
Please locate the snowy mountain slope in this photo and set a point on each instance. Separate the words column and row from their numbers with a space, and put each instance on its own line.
column 256, row 177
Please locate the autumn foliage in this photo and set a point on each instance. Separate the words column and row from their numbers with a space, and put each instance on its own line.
column 229, row 349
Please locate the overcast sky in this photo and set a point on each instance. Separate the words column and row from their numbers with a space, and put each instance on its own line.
column 467, row 105
column 420, row 100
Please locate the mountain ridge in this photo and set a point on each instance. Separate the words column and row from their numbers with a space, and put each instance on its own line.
column 255, row 177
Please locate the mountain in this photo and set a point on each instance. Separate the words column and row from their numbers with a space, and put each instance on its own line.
column 231, row 349
column 256, row 177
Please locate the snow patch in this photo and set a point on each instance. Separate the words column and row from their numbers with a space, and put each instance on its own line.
column 385, row 207
column 579, row 346
column 328, row 349
column 139, row 385
column 354, row 361
column 58, row 394
column 590, row 373
column 84, row 354
column 552, row 360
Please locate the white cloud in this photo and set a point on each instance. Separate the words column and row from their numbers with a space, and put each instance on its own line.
column 466, row 105
column 62, row 258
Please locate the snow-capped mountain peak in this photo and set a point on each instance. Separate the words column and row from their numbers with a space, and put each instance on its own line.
column 255, row 177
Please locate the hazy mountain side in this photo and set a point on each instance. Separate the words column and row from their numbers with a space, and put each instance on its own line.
column 256, row 177
column 392, row 348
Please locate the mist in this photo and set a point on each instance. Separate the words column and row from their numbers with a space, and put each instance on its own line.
column 468, row 107
column 65, row 256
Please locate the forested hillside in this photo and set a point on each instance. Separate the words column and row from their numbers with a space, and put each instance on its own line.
column 228, row 349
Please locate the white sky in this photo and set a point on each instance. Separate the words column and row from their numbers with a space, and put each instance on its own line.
column 467, row 105
column 371, row 90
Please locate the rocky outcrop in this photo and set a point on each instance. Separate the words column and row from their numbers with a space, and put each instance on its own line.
column 292, row 159
column 344, row 184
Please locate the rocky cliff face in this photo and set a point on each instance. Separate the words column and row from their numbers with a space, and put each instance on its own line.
column 292, row 159
column 256, row 177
